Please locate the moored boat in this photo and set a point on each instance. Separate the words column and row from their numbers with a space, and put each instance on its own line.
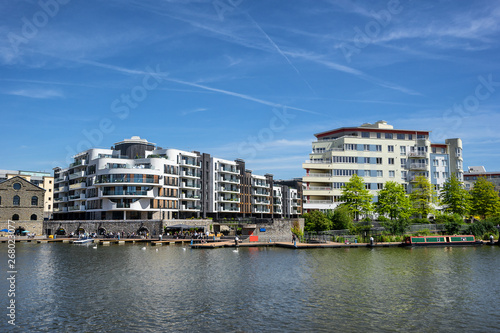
column 441, row 240
column 83, row 240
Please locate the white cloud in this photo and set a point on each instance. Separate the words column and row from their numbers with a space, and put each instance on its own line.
column 36, row 93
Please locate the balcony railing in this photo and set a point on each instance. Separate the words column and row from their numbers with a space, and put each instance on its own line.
column 115, row 193
column 319, row 175
column 417, row 154
column 418, row 166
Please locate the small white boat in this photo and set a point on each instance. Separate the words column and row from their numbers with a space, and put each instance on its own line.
column 84, row 240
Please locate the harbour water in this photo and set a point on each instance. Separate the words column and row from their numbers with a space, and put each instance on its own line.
column 71, row 288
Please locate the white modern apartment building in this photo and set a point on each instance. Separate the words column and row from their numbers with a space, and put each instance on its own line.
column 378, row 153
column 135, row 179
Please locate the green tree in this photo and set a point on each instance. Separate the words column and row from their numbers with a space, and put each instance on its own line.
column 341, row 218
column 396, row 227
column 393, row 201
column 356, row 197
column 455, row 197
column 422, row 197
column 484, row 199
column 316, row 221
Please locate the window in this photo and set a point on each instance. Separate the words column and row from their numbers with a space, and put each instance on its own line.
column 390, row 149
column 392, row 174
column 445, row 175
column 436, row 175
column 402, row 150
column 49, row 207
column 388, row 135
column 379, row 160
column 0, row 200
column 33, row 217
column 34, row 201
column 403, row 162
column 435, row 162
column 433, row 150
column 443, row 162
column 15, row 217
column 391, row 160
column 403, row 174
column 366, row 160
column 365, row 134
column 420, row 136
column 350, row 146
column 380, row 186
column 380, row 173
column 443, row 150
column 379, row 135
column 401, row 136
column 378, row 147
column 50, row 190
column 410, row 136
column 16, row 186
column 366, row 147
column 16, row 201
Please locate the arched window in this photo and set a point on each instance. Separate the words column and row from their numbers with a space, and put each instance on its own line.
column 34, row 201
column 15, row 217
column 33, row 217
column 16, row 201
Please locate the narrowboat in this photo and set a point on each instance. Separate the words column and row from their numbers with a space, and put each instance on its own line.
column 441, row 240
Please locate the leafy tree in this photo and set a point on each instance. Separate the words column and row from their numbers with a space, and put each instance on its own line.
column 396, row 227
column 484, row 199
column 455, row 197
column 393, row 201
column 479, row 228
column 341, row 218
column 422, row 197
column 356, row 197
column 452, row 223
column 316, row 221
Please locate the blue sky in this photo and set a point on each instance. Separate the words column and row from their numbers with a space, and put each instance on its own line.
column 243, row 79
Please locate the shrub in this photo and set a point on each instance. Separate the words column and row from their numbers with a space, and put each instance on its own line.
column 382, row 218
column 420, row 221
column 424, row 232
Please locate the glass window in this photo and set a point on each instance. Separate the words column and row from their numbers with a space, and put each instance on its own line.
column 390, row 149
column 392, row 174
column 391, row 160
column 15, row 217
column 378, row 147
column 401, row 136
column 33, row 217
column 16, row 201
column 379, row 160
column 402, row 149
column 16, row 186
column 379, row 135
column 388, row 135
column 410, row 136
column 34, row 201
column 365, row 134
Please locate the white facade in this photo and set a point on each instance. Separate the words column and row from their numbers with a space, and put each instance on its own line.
column 378, row 153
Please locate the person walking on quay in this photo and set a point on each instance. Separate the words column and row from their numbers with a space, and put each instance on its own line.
column 293, row 238
column 236, row 239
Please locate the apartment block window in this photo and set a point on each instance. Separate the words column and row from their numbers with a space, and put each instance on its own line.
column 380, row 173
column 365, row 134
column 420, row 136
column 435, row 162
column 388, row 135
column 367, row 186
column 391, row 160
column 403, row 162
column 401, row 136
column 378, row 147
column 366, row 147
column 379, row 135
column 366, row 160
column 402, row 150
column 350, row 146
column 445, row 175
column 380, row 186
column 379, row 160
column 392, row 174
column 443, row 162
column 433, row 150
column 390, row 149
column 443, row 150
column 436, row 175
column 403, row 174
column 410, row 136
